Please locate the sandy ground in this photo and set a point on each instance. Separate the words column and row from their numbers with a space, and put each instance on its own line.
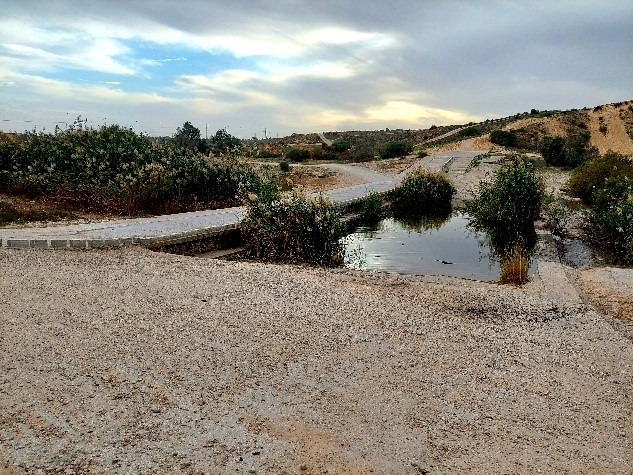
column 126, row 361
column 615, row 138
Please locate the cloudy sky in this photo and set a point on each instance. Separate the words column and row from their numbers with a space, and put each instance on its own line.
column 306, row 65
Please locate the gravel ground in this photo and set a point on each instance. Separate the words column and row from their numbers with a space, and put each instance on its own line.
column 125, row 361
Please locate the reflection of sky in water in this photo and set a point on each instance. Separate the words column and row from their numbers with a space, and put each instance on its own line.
column 452, row 250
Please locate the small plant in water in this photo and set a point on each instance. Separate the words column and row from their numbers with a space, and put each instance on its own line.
column 506, row 209
column 514, row 267
column 371, row 208
column 422, row 192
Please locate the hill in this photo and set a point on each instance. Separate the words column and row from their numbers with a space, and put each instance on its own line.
column 610, row 127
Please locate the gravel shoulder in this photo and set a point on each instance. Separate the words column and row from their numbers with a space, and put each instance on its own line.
column 127, row 361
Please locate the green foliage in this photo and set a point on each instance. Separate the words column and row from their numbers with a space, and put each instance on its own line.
column 553, row 150
column 422, row 192
column 511, row 200
column 294, row 230
column 472, row 131
column 612, row 218
column 297, row 154
column 371, row 207
column 329, row 155
column 504, row 138
column 223, row 142
column 363, row 152
column 268, row 154
column 579, row 149
column 188, row 137
column 341, row 145
column 115, row 169
column 284, row 166
column 395, row 149
column 422, row 153
column 557, row 215
column 592, row 176
column 570, row 152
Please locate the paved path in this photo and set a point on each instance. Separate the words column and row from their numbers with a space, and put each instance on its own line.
column 195, row 225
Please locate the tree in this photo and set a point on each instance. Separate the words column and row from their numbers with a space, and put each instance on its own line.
column 188, row 137
column 224, row 142
column 553, row 150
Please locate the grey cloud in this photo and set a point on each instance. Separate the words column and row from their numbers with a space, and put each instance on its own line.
column 484, row 57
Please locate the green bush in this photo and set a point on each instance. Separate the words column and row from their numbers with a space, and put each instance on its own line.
column 284, row 166
column 553, row 150
column 592, row 176
column 371, row 207
column 570, row 152
column 294, row 230
column 472, row 131
column 511, row 200
column 504, row 138
column 297, row 154
column 117, row 170
column 268, row 154
column 422, row 192
column 612, row 218
column 341, row 145
column 362, row 153
column 395, row 149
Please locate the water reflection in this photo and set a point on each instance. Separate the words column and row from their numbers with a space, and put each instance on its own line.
column 443, row 245
column 424, row 223
column 514, row 248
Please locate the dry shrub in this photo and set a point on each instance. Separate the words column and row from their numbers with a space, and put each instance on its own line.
column 514, row 267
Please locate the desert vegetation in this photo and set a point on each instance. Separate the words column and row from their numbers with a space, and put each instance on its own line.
column 506, row 207
column 572, row 151
column 606, row 185
column 295, row 229
column 422, row 192
column 114, row 169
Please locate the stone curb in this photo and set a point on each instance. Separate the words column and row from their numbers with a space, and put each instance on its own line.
column 61, row 243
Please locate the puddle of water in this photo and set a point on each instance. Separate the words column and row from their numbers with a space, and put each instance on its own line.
column 449, row 248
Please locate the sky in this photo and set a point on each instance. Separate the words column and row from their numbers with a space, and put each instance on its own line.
column 288, row 66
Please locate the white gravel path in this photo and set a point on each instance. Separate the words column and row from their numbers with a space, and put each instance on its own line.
column 126, row 361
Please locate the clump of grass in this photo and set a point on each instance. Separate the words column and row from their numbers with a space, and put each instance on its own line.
column 297, row 230
column 422, row 192
column 514, row 267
